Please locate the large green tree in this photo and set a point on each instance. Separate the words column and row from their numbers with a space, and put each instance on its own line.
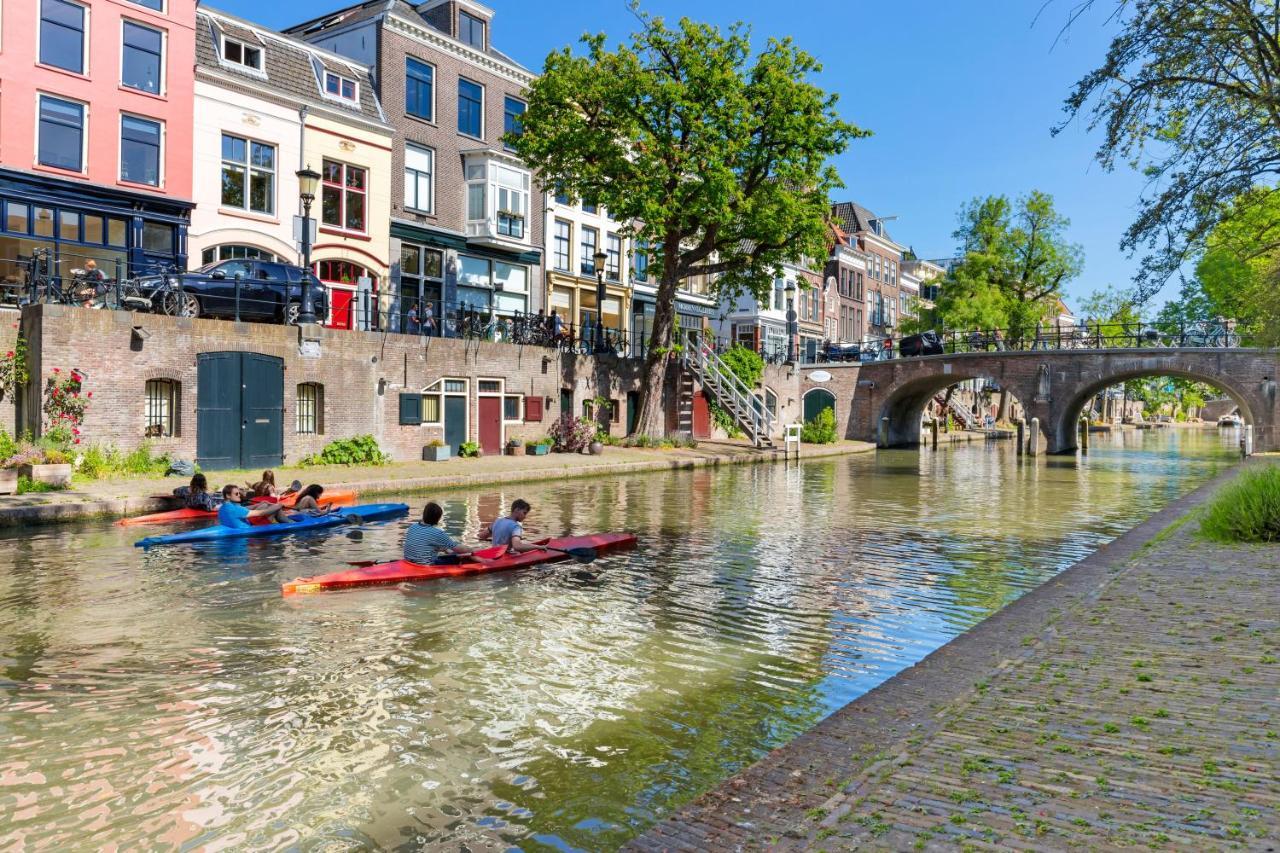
column 720, row 157
column 1239, row 272
column 1189, row 94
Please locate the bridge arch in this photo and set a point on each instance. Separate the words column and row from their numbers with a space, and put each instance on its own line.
column 905, row 403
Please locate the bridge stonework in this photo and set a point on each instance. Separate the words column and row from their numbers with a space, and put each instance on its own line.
column 1053, row 386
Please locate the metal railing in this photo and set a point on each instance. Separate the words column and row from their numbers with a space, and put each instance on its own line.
column 733, row 395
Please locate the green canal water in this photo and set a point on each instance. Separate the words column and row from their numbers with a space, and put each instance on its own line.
column 174, row 699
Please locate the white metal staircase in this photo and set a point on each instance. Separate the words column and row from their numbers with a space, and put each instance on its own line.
column 730, row 392
column 961, row 411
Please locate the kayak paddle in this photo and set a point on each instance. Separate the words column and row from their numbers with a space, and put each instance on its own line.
column 582, row 555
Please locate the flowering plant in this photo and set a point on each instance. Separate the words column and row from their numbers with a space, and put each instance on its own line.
column 572, row 434
column 65, row 406
column 13, row 367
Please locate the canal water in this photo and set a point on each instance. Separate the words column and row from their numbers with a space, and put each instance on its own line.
column 174, row 698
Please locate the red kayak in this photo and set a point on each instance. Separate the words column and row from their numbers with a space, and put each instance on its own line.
column 338, row 497
column 482, row 562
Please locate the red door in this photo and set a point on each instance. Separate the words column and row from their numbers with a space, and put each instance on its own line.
column 701, row 415
column 491, row 425
column 340, row 308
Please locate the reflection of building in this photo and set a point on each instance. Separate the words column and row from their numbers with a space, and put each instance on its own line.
column 462, row 227
column 267, row 106
column 575, row 232
column 95, row 129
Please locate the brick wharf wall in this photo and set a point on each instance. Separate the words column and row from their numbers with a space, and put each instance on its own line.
column 363, row 374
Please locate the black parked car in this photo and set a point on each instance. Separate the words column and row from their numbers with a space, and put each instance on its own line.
column 925, row 343
column 269, row 291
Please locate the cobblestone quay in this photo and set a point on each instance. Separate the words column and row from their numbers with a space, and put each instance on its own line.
column 1134, row 700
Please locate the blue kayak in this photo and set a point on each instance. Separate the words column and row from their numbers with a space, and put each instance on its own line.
column 303, row 524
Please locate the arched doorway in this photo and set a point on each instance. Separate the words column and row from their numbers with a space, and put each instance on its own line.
column 353, row 294
column 817, row 399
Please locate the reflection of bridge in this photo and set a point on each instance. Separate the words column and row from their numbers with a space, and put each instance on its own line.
column 1053, row 385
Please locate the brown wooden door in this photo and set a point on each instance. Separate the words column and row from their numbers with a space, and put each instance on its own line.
column 701, row 415
column 491, row 425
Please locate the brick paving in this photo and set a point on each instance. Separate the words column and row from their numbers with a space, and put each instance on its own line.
column 1132, row 701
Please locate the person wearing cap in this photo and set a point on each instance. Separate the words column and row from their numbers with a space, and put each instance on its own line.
column 509, row 530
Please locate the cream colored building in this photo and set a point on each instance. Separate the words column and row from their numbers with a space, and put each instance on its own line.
column 266, row 106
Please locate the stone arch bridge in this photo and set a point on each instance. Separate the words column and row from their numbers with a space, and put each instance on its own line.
column 1052, row 385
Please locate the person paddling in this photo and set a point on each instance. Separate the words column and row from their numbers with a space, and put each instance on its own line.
column 427, row 545
column 233, row 514
column 309, row 500
column 196, row 495
column 509, row 530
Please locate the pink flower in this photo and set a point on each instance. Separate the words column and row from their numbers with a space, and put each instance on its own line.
column 90, row 395
column 56, row 370
column 77, row 441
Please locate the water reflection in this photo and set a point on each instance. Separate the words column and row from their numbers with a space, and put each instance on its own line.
column 174, row 698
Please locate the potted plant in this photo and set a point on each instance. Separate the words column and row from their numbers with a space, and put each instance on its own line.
column 596, row 447
column 435, row 451
column 541, row 447
column 47, row 466
column 515, row 448
column 469, row 450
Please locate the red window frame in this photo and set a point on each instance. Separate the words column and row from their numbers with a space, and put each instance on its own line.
column 345, row 188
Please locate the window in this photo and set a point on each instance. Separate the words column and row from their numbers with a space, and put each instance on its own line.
column 157, row 237
column 248, row 175
column 140, row 150
column 339, row 86
column 560, row 245
column 343, row 195
column 513, row 118
column 239, row 53
column 419, row 165
column 16, row 218
column 234, row 252
column 488, row 386
column 143, row 59
column 588, row 206
column 470, row 30
column 410, row 409
column 62, row 35
column 470, row 108
column 431, row 408
column 641, row 255
column 162, row 407
column 562, row 197
column 419, row 91
column 455, row 386
column 157, row 5
column 69, row 225
column 588, row 257
column 512, row 188
column 613, row 249
column 311, row 408
column 615, row 412
column 61, row 134
column 511, row 407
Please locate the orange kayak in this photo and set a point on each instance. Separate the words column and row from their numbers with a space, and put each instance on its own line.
column 338, row 497
column 482, row 562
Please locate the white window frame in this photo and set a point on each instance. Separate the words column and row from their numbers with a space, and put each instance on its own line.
column 431, row 178
column 261, row 68
column 86, row 33
column 249, row 169
column 339, row 97
column 84, row 134
column 164, row 133
column 519, row 408
column 164, row 57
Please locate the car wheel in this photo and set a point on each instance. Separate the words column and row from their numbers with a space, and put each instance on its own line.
column 181, row 304
column 291, row 314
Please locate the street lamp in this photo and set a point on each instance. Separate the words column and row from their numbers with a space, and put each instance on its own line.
column 791, row 321
column 308, row 183
column 600, row 258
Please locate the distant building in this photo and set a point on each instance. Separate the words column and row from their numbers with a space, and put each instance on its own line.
column 924, row 278
column 884, row 260
column 848, row 267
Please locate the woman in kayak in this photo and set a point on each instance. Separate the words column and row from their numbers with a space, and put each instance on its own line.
column 266, row 487
column 309, row 500
column 234, row 514
column 428, row 545
column 196, row 495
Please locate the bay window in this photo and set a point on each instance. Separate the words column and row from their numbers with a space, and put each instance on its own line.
column 497, row 200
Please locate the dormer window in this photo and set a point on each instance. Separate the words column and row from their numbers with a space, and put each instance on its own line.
column 339, row 87
column 239, row 53
column 470, row 30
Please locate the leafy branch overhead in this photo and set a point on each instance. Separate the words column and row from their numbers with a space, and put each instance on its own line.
column 1187, row 94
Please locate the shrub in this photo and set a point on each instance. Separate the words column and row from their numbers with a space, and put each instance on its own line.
column 26, row 485
column 99, row 461
column 820, row 430
column 468, row 450
column 571, row 434
column 748, row 366
column 1247, row 510
column 360, row 450
column 8, row 446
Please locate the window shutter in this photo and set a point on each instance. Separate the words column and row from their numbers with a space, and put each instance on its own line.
column 410, row 409
column 533, row 409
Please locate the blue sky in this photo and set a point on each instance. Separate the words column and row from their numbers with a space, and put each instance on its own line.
column 960, row 96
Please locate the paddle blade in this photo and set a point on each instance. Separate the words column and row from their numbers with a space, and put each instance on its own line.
column 362, row 564
column 583, row 555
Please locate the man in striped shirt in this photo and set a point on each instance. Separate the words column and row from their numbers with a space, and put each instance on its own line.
column 428, row 545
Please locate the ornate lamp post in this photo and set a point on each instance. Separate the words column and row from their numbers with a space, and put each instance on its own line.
column 791, row 321
column 308, row 182
column 601, row 258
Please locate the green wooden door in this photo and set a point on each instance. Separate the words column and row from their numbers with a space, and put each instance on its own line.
column 239, row 410
column 817, row 400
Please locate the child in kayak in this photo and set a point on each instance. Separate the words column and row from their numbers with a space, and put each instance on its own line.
column 509, row 530
column 196, row 495
column 427, row 545
column 266, row 487
column 309, row 500
column 233, row 514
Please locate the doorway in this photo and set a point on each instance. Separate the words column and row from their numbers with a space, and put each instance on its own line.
column 455, row 422
column 701, row 415
column 489, row 415
column 239, row 410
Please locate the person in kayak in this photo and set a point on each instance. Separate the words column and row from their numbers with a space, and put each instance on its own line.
column 427, row 545
column 233, row 513
column 266, row 487
column 309, row 500
column 509, row 530
column 196, row 495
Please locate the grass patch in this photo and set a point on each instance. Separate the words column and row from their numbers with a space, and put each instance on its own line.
column 27, row 486
column 1246, row 510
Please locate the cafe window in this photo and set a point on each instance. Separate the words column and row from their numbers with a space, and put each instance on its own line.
column 15, row 218
column 419, row 166
column 62, row 35
column 511, row 407
column 61, row 133
column 157, row 237
column 248, row 175
column 311, row 408
column 162, row 407
column 343, row 196
column 140, row 159
column 419, row 89
column 142, row 62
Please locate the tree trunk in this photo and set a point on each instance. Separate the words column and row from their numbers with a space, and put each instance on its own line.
column 1002, row 413
column 652, row 419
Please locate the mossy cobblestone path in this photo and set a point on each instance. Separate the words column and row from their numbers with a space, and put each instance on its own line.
column 1143, row 711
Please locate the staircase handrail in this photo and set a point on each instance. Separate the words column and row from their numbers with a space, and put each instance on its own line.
column 731, row 392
